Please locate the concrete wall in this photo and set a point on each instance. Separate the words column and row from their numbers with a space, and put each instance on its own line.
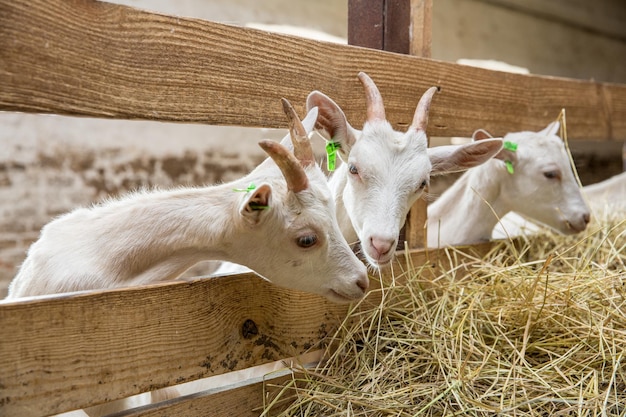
column 51, row 164
column 544, row 43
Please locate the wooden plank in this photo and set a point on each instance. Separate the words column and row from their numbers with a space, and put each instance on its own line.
column 379, row 24
column 366, row 23
column 97, row 59
column 397, row 16
column 241, row 401
column 67, row 352
column 420, row 29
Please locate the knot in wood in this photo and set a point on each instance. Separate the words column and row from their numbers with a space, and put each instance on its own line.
column 249, row 329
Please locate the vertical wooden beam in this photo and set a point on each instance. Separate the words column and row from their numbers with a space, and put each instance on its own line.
column 420, row 45
column 402, row 26
column 380, row 24
column 421, row 29
column 397, row 23
column 366, row 23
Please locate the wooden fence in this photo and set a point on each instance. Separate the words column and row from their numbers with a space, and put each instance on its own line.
column 88, row 58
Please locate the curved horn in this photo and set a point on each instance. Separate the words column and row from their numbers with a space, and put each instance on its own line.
column 375, row 108
column 302, row 148
column 290, row 167
column 420, row 118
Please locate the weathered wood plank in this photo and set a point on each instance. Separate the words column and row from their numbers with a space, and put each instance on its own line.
column 241, row 401
column 89, row 58
column 420, row 30
column 68, row 352
column 366, row 23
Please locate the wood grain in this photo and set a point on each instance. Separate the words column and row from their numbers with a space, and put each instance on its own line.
column 240, row 401
column 420, row 27
column 89, row 58
column 421, row 12
column 67, row 352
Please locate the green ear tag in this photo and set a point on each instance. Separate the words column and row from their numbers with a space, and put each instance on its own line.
column 331, row 151
column 510, row 146
column 246, row 190
column 258, row 207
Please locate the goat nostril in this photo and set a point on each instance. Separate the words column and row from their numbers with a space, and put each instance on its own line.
column 363, row 283
column 586, row 218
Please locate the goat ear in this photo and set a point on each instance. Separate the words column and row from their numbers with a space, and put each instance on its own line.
column 551, row 129
column 451, row 158
column 481, row 134
column 504, row 154
column 256, row 203
column 331, row 122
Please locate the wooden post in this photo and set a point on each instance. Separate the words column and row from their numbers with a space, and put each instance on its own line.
column 402, row 26
column 420, row 44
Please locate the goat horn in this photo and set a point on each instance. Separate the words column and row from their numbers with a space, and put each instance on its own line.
column 290, row 166
column 375, row 108
column 420, row 118
column 302, row 148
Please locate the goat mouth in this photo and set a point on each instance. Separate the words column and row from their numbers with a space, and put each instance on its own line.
column 573, row 228
column 378, row 264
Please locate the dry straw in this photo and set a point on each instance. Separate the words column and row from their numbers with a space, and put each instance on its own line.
column 536, row 327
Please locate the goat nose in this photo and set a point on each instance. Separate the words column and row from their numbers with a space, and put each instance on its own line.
column 586, row 218
column 363, row 282
column 382, row 245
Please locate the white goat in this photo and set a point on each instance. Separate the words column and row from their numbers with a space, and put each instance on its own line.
column 385, row 171
column 605, row 198
column 535, row 180
column 607, row 195
column 285, row 228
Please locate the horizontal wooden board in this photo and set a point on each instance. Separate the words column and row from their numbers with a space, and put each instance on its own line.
column 90, row 58
column 64, row 352
column 240, row 401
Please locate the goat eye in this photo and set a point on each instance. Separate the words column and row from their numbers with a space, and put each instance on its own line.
column 423, row 185
column 353, row 169
column 552, row 175
column 306, row 241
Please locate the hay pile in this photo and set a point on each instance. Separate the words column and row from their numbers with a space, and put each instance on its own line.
column 537, row 328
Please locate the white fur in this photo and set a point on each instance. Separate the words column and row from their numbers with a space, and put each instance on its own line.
column 393, row 168
column 607, row 195
column 604, row 198
column 148, row 237
column 468, row 211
